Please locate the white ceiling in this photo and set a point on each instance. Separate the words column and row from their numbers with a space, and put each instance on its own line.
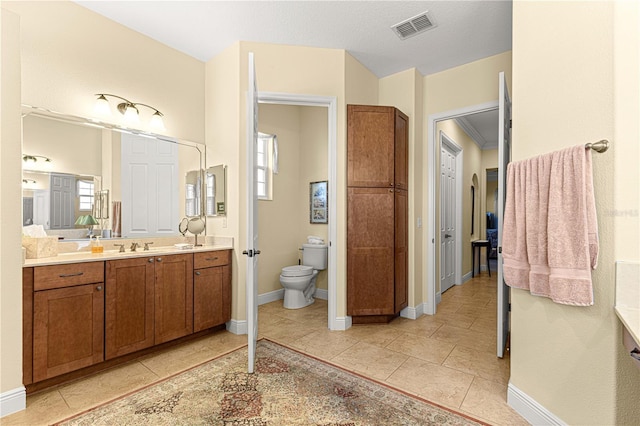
column 465, row 31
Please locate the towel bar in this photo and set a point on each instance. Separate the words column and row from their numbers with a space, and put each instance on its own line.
column 600, row 146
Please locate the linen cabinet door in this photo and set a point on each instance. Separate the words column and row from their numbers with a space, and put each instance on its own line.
column 129, row 305
column 401, row 159
column 370, row 146
column 211, row 297
column 173, row 297
column 370, row 251
column 68, row 329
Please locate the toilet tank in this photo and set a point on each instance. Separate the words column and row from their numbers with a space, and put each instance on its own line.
column 315, row 255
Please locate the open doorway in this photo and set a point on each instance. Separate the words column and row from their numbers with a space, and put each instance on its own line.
column 463, row 119
column 329, row 153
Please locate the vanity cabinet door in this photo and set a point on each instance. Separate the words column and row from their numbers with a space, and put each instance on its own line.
column 211, row 297
column 68, row 329
column 129, row 305
column 173, row 297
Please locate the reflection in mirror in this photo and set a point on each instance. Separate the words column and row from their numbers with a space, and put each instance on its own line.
column 216, row 184
column 193, row 193
column 99, row 169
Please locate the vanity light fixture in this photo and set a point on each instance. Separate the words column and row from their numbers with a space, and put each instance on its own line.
column 28, row 182
column 32, row 159
column 128, row 109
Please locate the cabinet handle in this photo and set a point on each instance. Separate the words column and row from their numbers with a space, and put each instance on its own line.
column 211, row 258
column 197, row 272
column 391, row 190
column 390, row 183
column 99, row 288
column 159, row 259
column 77, row 274
column 151, row 260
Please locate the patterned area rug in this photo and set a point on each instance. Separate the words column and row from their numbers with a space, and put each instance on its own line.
column 288, row 388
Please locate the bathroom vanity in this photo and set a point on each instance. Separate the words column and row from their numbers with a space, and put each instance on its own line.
column 84, row 312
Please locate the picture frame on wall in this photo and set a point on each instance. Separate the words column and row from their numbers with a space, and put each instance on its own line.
column 318, row 202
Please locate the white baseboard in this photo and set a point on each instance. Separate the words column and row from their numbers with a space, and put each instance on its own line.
column 321, row 294
column 413, row 313
column 272, row 296
column 530, row 409
column 13, row 401
column 466, row 277
column 237, row 327
column 343, row 323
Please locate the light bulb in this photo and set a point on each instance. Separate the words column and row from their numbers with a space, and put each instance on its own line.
column 102, row 107
column 131, row 114
column 156, row 122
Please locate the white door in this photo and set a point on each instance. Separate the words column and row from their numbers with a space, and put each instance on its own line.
column 504, row 157
column 150, row 199
column 447, row 216
column 252, row 251
column 41, row 207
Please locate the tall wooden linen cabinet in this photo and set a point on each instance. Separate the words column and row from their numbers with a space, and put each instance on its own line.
column 377, row 213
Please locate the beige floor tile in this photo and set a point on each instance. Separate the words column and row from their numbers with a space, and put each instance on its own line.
column 107, row 385
column 324, row 344
column 480, row 342
column 485, row 325
column 424, row 348
column 268, row 317
column 286, row 331
column 482, row 364
column 455, row 319
column 370, row 360
column 476, row 309
column 374, row 334
column 487, row 400
column 433, row 382
column 42, row 408
column 424, row 326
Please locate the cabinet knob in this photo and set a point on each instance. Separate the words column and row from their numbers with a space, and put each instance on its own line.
column 150, row 260
column 99, row 288
column 197, row 272
column 391, row 190
column 390, row 183
column 159, row 259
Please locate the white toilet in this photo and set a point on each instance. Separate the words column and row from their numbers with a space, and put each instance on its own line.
column 299, row 281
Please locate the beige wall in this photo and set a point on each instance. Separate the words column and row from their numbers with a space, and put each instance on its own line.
column 70, row 53
column 492, row 187
column 10, row 216
column 471, row 84
column 403, row 90
column 284, row 220
column 586, row 375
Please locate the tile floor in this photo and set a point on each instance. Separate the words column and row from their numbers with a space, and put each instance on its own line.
column 448, row 358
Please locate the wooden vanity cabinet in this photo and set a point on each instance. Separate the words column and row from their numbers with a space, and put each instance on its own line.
column 68, row 318
column 211, row 289
column 173, row 297
column 129, row 305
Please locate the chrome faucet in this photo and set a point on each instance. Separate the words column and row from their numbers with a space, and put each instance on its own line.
column 134, row 246
column 146, row 246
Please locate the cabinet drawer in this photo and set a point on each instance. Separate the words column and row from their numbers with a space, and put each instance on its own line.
column 67, row 275
column 208, row 259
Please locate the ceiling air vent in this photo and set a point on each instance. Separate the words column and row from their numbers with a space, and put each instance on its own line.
column 414, row 26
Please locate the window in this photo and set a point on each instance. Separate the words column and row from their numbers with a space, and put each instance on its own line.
column 264, row 170
column 85, row 195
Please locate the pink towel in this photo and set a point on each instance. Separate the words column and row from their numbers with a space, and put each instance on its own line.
column 550, row 230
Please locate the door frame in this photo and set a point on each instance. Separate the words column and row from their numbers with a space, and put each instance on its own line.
column 458, row 152
column 429, row 282
column 331, row 103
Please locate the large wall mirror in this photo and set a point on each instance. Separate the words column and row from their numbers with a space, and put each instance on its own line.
column 133, row 184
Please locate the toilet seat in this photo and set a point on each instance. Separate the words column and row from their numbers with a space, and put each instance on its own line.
column 297, row 271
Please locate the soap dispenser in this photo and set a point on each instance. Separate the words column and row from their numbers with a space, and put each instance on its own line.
column 96, row 247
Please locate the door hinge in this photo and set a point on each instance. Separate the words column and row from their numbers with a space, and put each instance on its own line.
column 510, row 123
column 500, row 249
column 509, row 307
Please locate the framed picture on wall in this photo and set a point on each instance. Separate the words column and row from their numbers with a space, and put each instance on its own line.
column 318, row 205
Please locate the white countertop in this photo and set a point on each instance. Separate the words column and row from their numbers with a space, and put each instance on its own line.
column 627, row 305
column 79, row 252
column 115, row 254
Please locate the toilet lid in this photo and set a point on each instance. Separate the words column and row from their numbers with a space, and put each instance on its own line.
column 297, row 271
